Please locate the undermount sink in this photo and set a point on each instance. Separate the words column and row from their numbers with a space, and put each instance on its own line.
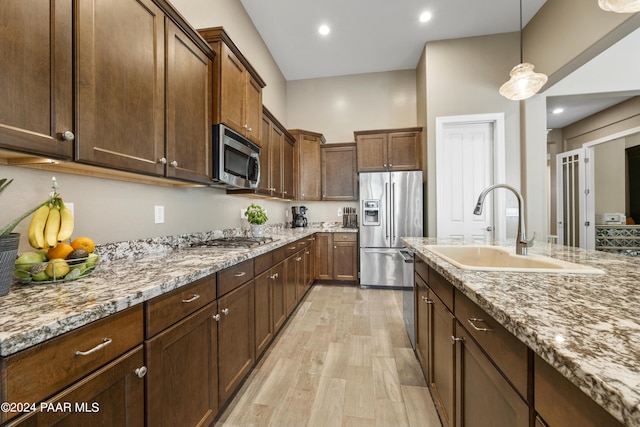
column 497, row 258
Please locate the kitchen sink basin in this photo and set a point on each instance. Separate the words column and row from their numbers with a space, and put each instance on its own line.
column 497, row 258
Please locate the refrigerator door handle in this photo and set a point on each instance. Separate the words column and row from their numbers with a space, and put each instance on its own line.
column 393, row 213
column 388, row 219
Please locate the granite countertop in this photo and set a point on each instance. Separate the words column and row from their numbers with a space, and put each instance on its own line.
column 128, row 273
column 586, row 326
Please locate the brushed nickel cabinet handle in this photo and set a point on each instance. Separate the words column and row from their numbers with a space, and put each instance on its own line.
column 105, row 342
column 454, row 340
column 174, row 164
column 162, row 160
column 192, row 299
column 472, row 321
column 216, row 317
column 68, row 135
column 242, row 273
column 141, row 371
column 225, row 311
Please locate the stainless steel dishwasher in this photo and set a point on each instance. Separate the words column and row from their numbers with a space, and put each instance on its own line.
column 408, row 297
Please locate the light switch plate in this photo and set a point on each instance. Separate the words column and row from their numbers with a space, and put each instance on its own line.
column 159, row 214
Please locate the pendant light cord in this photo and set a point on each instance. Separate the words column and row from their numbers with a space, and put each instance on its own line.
column 521, row 44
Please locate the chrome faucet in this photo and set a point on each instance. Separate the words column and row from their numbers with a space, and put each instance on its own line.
column 521, row 239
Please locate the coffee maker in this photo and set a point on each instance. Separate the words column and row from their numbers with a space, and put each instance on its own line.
column 298, row 216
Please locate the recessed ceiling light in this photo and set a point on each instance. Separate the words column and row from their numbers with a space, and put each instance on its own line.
column 425, row 17
column 324, row 30
column 557, row 110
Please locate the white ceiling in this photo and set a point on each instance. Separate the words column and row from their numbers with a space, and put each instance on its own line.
column 381, row 35
column 372, row 35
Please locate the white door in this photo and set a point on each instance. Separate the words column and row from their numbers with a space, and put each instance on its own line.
column 571, row 204
column 464, row 167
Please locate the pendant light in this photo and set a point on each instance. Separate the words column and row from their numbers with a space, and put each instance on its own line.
column 620, row 6
column 524, row 82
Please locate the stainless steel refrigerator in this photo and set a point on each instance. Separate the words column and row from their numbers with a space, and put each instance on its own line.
column 390, row 208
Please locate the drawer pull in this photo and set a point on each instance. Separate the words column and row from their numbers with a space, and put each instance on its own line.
column 472, row 321
column 141, row 371
column 216, row 317
column 292, row 248
column 298, row 259
column 105, row 342
column 192, row 299
column 242, row 273
column 427, row 300
column 225, row 311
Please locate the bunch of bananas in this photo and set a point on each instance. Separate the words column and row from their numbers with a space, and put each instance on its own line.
column 51, row 224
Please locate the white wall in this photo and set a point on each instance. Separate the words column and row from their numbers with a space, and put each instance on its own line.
column 610, row 177
column 338, row 106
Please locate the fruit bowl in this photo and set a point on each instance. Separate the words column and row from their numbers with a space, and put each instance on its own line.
column 55, row 270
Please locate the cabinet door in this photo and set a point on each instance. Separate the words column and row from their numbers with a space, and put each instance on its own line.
column 288, row 184
column 424, row 327
column 253, row 110
column 372, row 152
column 484, row 397
column 339, row 181
column 308, row 148
column 345, row 260
column 404, row 151
column 301, row 284
column 111, row 396
column 279, row 298
column 36, row 83
column 276, row 147
column 443, row 378
column 120, row 81
column 236, row 339
column 266, row 171
column 290, row 283
column 324, row 256
column 182, row 382
column 263, row 311
column 188, row 118
column 310, row 257
column 232, row 90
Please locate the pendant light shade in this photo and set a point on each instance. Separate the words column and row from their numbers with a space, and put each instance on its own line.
column 620, row 6
column 524, row 82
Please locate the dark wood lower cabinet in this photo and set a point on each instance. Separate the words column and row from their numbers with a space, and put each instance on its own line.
column 236, row 339
column 111, row 396
column 264, row 310
column 291, row 282
column 182, row 383
column 424, row 332
column 484, row 397
column 443, row 373
column 345, row 261
column 279, row 298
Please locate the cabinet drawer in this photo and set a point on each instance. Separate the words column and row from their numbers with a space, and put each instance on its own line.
column 303, row 243
column 441, row 287
column 167, row 309
column 345, row 237
column 232, row 277
column 506, row 351
column 42, row 370
column 290, row 249
column 263, row 262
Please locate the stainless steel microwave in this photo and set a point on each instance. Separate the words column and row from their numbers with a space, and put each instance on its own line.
column 236, row 160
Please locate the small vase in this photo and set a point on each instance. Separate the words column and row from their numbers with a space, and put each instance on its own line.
column 8, row 252
column 257, row 230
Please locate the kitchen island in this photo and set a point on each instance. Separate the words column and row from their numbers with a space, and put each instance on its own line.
column 584, row 325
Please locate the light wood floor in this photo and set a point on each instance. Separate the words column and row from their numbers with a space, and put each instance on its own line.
column 343, row 359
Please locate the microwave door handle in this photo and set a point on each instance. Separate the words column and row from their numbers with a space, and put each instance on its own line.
column 257, row 161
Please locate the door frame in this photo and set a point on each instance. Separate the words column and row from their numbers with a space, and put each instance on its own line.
column 497, row 121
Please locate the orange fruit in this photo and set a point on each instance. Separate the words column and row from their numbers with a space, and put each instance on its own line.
column 61, row 250
column 83, row 243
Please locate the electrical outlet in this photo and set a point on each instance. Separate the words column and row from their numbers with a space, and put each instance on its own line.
column 159, row 214
column 242, row 211
column 71, row 207
column 286, row 213
column 339, row 211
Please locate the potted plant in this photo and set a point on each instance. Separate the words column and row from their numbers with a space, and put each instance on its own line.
column 9, row 242
column 256, row 216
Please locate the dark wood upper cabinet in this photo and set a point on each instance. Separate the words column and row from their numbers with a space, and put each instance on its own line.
column 307, row 164
column 188, row 92
column 388, row 150
column 121, row 89
column 37, row 77
column 339, row 178
column 237, row 87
